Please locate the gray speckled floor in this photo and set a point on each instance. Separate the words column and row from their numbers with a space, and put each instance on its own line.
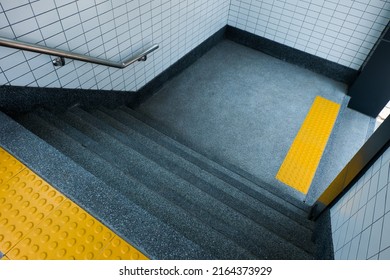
column 241, row 106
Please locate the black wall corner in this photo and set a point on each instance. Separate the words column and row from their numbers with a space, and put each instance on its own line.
column 322, row 237
column 157, row 83
column 371, row 90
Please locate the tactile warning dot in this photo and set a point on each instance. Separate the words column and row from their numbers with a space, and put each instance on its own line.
column 118, row 249
column 67, row 233
column 9, row 166
column 24, row 203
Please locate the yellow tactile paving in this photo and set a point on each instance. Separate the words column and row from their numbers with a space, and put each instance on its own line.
column 25, row 200
column 9, row 166
column 301, row 162
column 38, row 222
column 118, row 249
column 67, row 233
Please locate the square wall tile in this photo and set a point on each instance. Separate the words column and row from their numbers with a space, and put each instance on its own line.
column 312, row 15
column 8, row 5
column 3, row 79
column 17, row 71
column 3, row 20
column 24, row 80
column 47, row 18
column 385, row 254
column 11, row 60
column 385, row 238
column 294, row 23
column 380, row 204
column 384, row 175
column 363, row 244
column 375, row 238
column 369, row 214
column 19, row 14
column 352, row 254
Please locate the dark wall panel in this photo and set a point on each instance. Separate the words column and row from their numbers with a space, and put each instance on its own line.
column 371, row 90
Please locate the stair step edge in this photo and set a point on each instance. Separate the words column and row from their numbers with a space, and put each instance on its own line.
column 54, row 167
column 182, row 188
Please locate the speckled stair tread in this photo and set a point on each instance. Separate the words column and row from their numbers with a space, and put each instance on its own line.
column 196, row 232
column 135, row 120
column 145, row 197
column 163, row 135
column 145, row 126
column 91, row 192
column 197, row 206
column 179, row 153
column 142, row 168
column 263, row 215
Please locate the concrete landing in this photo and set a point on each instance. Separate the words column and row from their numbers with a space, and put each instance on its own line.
column 241, row 106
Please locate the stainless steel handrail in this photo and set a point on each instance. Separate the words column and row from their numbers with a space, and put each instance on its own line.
column 60, row 53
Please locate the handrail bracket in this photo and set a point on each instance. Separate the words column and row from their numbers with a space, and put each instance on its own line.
column 58, row 61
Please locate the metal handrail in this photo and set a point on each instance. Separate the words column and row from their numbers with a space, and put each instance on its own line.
column 61, row 54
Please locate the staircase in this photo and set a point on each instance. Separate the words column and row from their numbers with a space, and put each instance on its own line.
column 185, row 198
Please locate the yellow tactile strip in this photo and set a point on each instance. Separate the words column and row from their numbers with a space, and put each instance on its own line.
column 301, row 162
column 9, row 166
column 25, row 200
column 38, row 222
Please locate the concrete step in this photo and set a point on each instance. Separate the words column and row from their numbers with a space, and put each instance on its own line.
column 285, row 205
column 131, row 222
column 244, row 204
column 235, row 226
column 97, row 159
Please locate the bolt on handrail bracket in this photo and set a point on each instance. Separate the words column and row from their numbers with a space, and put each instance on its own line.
column 66, row 54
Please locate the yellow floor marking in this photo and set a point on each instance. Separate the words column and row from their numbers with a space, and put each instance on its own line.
column 25, row 200
column 9, row 166
column 118, row 249
column 38, row 222
column 301, row 162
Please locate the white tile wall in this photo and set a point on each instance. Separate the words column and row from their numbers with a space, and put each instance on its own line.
column 112, row 29
column 361, row 219
column 340, row 31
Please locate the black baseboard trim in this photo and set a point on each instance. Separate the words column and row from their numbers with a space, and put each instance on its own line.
column 16, row 99
column 187, row 60
column 314, row 63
